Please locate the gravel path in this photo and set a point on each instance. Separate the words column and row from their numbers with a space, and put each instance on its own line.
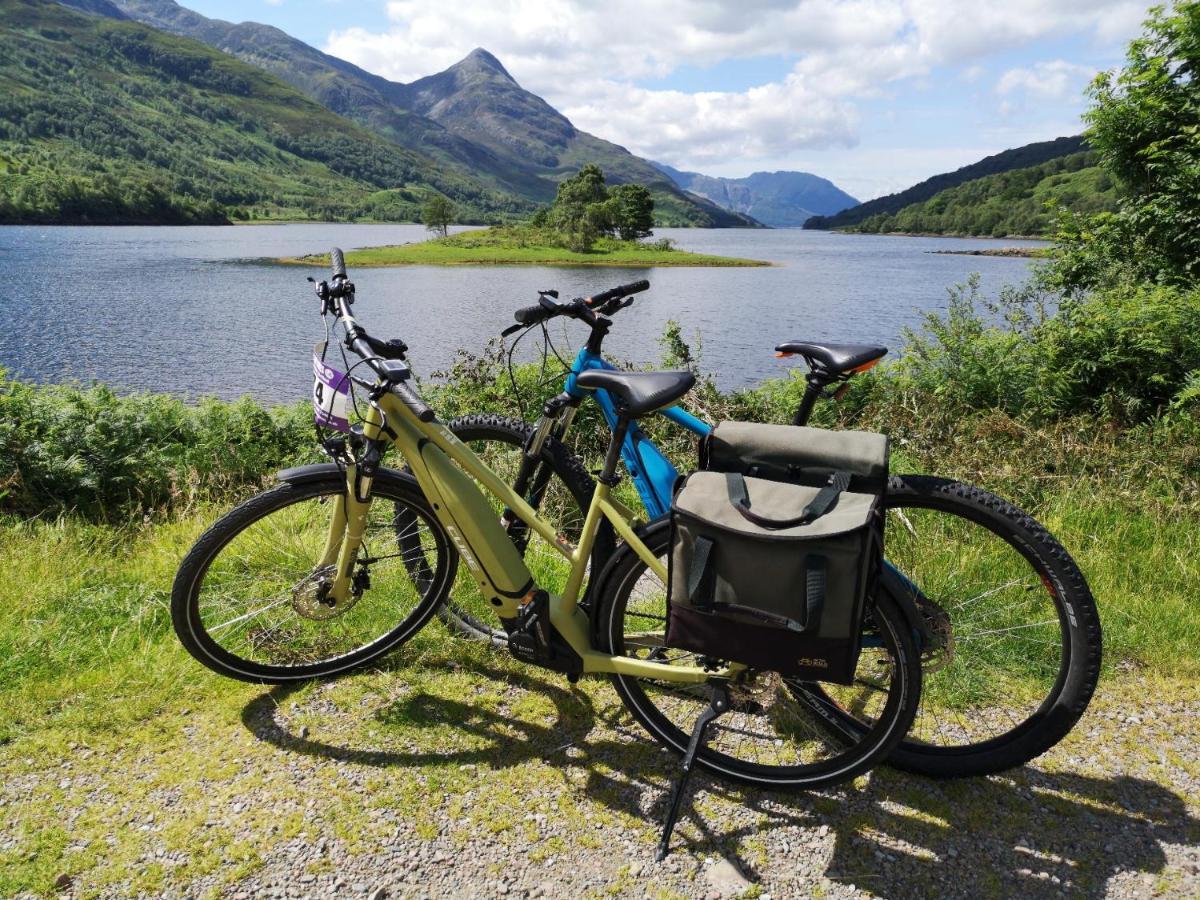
column 485, row 782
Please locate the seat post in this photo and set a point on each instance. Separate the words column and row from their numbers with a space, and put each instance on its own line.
column 608, row 474
column 812, row 393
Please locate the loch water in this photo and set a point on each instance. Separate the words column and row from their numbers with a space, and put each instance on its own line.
column 201, row 311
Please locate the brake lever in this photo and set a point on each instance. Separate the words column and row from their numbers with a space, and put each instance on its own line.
column 615, row 305
column 512, row 329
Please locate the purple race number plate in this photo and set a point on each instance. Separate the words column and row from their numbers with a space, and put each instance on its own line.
column 331, row 393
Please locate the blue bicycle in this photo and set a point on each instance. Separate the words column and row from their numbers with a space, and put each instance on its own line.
column 1008, row 629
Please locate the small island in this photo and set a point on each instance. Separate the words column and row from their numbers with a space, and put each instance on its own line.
column 517, row 245
column 588, row 224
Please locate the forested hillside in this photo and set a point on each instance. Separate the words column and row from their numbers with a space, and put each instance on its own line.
column 107, row 121
column 473, row 118
column 1017, row 158
column 1020, row 202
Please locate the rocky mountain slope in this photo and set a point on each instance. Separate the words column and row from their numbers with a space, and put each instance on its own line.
column 108, row 120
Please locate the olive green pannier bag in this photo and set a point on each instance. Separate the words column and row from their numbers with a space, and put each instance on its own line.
column 776, row 544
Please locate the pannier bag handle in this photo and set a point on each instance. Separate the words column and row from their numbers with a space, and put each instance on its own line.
column 820, row 504
column 814, row 593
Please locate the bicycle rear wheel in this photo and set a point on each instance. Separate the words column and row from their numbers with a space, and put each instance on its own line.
column 250, row 603
column 778, row 731
column 1017, row 644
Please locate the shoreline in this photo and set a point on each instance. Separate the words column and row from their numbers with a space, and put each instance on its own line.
column 934, row 234
column 1001, row 252
column 698, row 261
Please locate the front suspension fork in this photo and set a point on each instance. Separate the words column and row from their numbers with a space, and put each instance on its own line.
column 533, row 477
column 346, row 529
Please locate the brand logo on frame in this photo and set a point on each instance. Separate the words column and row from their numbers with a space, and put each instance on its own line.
column 464, row 551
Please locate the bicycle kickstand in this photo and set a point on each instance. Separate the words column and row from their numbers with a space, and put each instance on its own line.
column 718, row 703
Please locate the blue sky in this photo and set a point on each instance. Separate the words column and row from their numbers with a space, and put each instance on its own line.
column 873, row 94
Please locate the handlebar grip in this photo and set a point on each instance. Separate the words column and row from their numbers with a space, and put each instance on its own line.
column 413, row 401
column 623, row 290
column 529, row 315
column 337, row 262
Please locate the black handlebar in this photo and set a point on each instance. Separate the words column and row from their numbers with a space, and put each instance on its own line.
column 623, row 290
column 581, row 308
column 531, row 315
column 384, row 357
column 413, row 401
column 337, row 263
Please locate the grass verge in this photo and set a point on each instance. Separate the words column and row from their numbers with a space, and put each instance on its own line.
column 129, row 769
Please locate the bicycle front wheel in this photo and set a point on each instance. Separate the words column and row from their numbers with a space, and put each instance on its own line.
column 778, row 730
column 250, row 599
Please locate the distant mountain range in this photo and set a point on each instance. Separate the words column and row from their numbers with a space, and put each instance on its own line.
column 145, row 111
column 473, row 118
column 1009, row 160
column 778, row 199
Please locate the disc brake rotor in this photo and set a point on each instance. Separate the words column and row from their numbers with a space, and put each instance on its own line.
column 939, row 651
column 310, row 597
column 757, row 693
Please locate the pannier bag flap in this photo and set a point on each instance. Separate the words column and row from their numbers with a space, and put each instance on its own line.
column 797, row 453
column 712, row 497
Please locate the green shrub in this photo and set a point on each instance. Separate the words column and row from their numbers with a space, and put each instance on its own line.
column 88, row 450
column 1125, row 354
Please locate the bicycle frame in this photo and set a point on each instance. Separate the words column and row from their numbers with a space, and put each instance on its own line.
column 450, row 475
column 651, row 472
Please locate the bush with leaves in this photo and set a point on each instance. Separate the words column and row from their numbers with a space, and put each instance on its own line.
column 586, row 209
column 1145, row 124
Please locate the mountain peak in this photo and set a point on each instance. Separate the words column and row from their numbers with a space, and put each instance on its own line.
column 479, row 60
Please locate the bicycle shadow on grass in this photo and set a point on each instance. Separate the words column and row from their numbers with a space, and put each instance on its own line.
column 1027, row 833
column 496, row 738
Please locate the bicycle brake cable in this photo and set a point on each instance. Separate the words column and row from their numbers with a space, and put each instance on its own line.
column 512, row 375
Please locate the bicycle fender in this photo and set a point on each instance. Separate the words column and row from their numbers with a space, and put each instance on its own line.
column 321, row 471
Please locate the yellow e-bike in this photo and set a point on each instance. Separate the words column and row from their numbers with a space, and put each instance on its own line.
column 344, row 561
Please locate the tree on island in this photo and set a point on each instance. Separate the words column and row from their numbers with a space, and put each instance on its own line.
column 437, row 215
column 585, row 209
column 632, row 211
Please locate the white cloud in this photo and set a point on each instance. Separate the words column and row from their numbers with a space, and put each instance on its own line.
column 1053, row 80
column 587, row 58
